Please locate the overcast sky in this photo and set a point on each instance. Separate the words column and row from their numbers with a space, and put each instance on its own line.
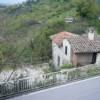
column 11, row 1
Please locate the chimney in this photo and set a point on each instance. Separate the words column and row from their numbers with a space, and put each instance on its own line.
column 91, row 33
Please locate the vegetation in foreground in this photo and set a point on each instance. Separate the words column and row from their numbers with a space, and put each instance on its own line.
column 25, row 28
column 67, row 66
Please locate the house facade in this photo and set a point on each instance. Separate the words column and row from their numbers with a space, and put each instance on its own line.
column 69, row 48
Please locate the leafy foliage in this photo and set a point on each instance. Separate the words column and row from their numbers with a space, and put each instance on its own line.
column 67, row 66
column 87, row 9
column 27, row 27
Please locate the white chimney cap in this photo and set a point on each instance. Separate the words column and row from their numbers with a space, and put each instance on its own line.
column 91, row 33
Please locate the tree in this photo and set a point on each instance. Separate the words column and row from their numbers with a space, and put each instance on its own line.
column 42, row 43
column 86, row 8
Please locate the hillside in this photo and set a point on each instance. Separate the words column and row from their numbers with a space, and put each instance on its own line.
column 25, row 28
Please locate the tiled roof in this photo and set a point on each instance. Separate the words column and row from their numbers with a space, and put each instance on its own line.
column 81, row 44
column 58, row 38
column 96, row 37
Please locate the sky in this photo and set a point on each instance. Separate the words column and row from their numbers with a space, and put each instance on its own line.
column 11, row 1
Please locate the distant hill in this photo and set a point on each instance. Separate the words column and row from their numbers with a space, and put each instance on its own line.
column 2, row 6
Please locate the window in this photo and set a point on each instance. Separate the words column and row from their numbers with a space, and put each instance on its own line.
column 66, row 50
column 58, row 61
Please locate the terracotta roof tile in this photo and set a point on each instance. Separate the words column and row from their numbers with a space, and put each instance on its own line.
column 81, row 44
column 58, row 38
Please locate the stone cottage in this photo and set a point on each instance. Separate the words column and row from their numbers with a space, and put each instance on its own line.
column 69, row 48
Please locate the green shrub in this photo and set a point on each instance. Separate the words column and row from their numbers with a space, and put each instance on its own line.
column 67, row 66
column 93, row 71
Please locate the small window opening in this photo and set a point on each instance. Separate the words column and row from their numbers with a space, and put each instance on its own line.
column 66, row 50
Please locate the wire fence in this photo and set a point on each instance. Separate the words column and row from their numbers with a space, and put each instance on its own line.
column 30, row 84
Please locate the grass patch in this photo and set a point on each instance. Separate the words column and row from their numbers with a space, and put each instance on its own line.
column 93, row 71
column 67, row 66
